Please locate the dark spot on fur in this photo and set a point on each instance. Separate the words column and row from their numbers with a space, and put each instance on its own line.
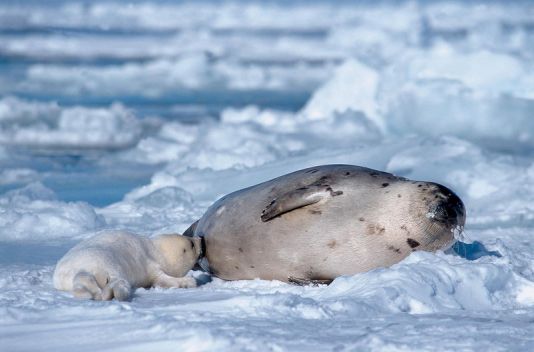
column 419, row 185
column 315, row 212
column 240, row 249
column 332, row 243
column 424, row 198
column 375, row 229
column 396, row 250
column 321, row 182
column 332, row 192
column 412, row 243
column 252, row 266
column 385, row 184
column 236, row 267
column 399, row 196
column 312, row 171
column 373, row 174
column 185, row 250
column 361, row 219
column 347, row 173
column 386, row 192
column 302, row 188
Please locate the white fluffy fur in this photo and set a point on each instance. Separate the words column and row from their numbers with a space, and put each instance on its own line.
column 112, row 264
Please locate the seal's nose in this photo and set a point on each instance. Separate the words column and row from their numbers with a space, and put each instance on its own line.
column 449, row 209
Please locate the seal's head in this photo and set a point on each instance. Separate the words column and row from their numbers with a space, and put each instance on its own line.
column 446, row 209
column 425, row 216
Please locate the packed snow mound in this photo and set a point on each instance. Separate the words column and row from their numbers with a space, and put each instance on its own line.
column 211, row 145
column 36, row 124
column 427, row 283
column 481, row 96
column 353, row 87
column 33, row 213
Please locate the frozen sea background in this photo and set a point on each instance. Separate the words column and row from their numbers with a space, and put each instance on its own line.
column 138, row 115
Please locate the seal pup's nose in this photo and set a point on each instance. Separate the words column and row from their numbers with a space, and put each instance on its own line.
column 449, row 209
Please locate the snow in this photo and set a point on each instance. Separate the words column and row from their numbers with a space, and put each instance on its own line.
column 139, row 115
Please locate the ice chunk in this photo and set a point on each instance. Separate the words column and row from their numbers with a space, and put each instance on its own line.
column 47, row 125
column 353, row 87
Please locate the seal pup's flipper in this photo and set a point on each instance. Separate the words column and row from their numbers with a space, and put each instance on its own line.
column 307, row 282
column 297, row 198
column 85, row 286
column 117, row 288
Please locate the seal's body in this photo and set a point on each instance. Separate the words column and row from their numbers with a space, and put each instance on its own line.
column 323, row 222
column 111, row 264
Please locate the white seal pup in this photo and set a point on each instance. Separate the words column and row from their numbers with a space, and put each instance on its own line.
column 112, row 264
column 323, row 222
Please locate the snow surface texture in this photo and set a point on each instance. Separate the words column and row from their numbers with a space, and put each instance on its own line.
column 139, row 115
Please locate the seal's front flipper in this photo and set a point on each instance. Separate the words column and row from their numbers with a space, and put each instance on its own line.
column 307, row 282
column 297, row 199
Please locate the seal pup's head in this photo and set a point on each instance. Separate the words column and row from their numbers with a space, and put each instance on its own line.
column 179, row 254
